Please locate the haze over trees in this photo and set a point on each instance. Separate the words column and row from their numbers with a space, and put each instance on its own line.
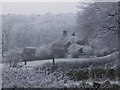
column 20, row 31
column 95, row 23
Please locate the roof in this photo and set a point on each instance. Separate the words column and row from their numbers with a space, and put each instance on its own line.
column 65, row 39
column 62, row 40
column 66, row 42
column 74, row 48
column 80, row 42
column 30, row 47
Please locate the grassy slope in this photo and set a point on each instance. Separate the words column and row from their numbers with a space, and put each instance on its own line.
column 76, row 62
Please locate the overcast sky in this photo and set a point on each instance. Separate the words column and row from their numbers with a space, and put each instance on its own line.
column 41, row 8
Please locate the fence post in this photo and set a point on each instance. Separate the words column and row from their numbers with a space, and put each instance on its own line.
column 25, row 62
column 53, row 57
column 54, row 66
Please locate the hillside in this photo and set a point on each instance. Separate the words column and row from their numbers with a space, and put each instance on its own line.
column 75, row 62
column 38, row 74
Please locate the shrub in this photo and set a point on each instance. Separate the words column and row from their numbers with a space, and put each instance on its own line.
column 111, row 74
column 99, row 73
column 75, row 55
column 118, row 73
column 13, row 58
column 88, row 50
column 43, row 52
column 79, row 74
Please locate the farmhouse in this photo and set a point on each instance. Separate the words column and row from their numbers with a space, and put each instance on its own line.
column 66, row 45
column 60, row 47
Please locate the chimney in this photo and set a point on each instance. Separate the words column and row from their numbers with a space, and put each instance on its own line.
column 64, row 33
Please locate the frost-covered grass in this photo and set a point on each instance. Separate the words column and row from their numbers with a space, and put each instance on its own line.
column 96, row 74
column 40, row 74
column 40, row 77
column 25, row 77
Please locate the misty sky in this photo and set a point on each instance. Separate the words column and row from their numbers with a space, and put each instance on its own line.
column 41, row 8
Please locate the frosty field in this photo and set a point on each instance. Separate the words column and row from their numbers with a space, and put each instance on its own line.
column 38, row 73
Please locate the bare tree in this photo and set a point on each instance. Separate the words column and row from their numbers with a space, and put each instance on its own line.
column 7, row 27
